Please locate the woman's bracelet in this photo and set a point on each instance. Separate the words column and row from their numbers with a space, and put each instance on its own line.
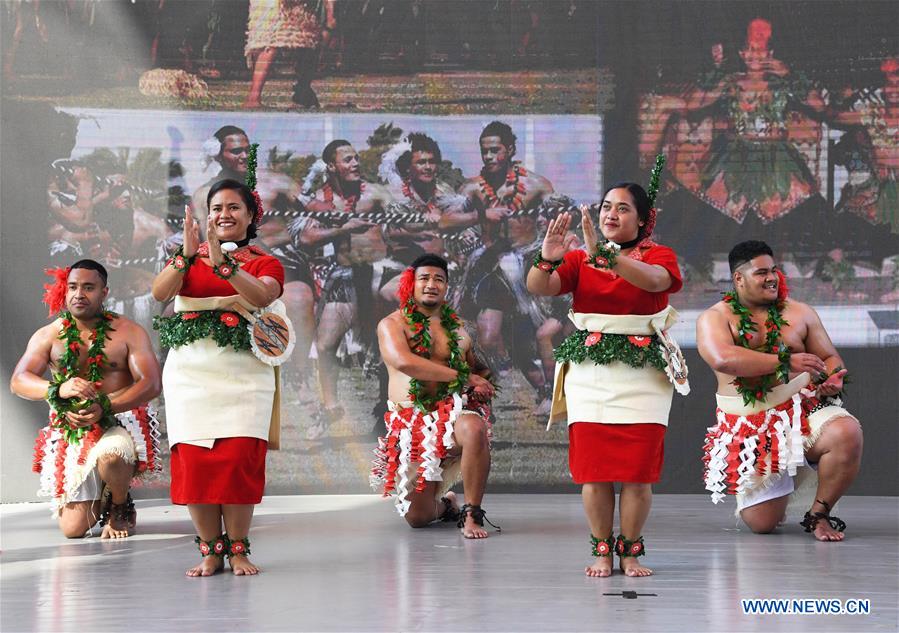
column 546, row 265
column 179, row 262
column 227, row 268
column 604, row 257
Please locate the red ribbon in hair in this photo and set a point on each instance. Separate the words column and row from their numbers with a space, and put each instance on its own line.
column 55, row 293
column 650, row 224
column 782, row 289
column 259, row 211
column 407, row 286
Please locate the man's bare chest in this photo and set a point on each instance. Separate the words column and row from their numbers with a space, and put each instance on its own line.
column 116, row 354
column 792, row 333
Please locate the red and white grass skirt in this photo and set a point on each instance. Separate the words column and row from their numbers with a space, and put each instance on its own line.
column 415, row 449
column 630, row 453
column 64, row 467
column 232, row 471
column 752, row 446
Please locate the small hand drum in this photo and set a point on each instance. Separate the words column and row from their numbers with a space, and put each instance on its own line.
column 272, row 336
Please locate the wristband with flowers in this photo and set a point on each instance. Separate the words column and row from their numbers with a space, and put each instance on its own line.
column 179, row 262
column 546, row 265
column 605, row 256
column 227, row 268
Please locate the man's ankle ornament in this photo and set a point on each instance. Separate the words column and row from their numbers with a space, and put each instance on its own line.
column 810, row 520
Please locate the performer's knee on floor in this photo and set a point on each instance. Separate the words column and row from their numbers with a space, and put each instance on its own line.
column 760, row 525
column 418, row 520
column 72, row 528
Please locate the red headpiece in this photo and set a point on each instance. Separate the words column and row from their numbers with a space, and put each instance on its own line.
column 782, row 289
column 649, row 225
column 407, row 286
column 758, row 33
column 55, row 293
column 259, row 211
column 890, row 66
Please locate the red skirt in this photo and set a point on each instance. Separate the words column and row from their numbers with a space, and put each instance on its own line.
column 232, row 471
column 630, row 453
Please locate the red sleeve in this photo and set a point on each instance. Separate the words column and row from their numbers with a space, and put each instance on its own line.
column 269, row 266
column 667, row 259
column 570, row 269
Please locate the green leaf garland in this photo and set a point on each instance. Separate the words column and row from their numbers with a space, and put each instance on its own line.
column 251, row 166
column 604, row 349
column 655, row 179
column 773, row 345
column 68, row 368
column 224, row 327
column 420, row 344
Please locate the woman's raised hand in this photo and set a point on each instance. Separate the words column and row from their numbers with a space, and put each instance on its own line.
column 591, row 237
column 557, row 241
column 215, row 246
column 191, row 234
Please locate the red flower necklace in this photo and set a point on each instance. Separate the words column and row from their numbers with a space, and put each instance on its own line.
column 773, row 345
column 68, row 365
column 350, row 202
column 514, row 200
column 414, row 198
column 420, row 343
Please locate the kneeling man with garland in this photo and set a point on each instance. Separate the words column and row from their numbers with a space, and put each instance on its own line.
column 782, row 434
column 102, row 432
column 438, row 411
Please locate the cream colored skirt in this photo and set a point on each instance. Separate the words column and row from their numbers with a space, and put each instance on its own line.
column 613, row 394
column 215, row 392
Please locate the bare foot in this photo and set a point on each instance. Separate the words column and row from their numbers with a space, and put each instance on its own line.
column 823, row 532
column 241, row 566
column 472, row 530
column 251, row 105
column 631, row 567
column 454, row 505
column 209, row 566
column 602, row 568
column 112, row 532
column 119, row 525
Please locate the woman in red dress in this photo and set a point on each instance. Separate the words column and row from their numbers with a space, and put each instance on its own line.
column 219, row 397
column 615, row 373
